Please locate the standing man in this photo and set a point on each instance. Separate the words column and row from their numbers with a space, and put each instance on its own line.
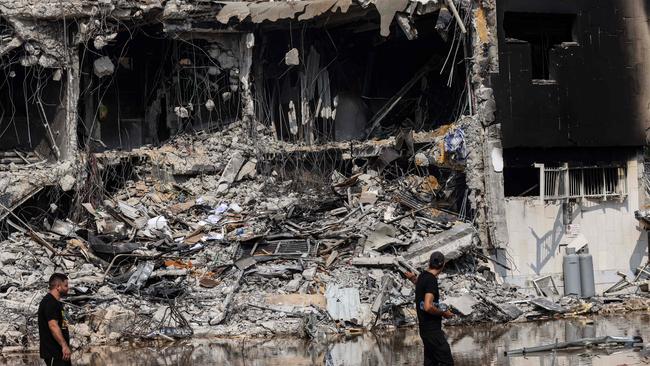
column 52, row 324
column 427, row 299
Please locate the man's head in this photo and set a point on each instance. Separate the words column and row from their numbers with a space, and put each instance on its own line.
column 58, row 283
column 437, row 260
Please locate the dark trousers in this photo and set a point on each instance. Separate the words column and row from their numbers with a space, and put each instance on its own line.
column 436, row 349
column 56, row 362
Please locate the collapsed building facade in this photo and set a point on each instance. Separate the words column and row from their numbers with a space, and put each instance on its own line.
column 505, row 118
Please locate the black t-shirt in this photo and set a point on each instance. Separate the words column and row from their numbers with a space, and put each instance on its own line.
column 50, row 308
column 427, row 283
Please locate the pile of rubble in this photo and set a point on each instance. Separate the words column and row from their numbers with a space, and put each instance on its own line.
column 236, row 249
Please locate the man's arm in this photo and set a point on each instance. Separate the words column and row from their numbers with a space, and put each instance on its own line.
column 411, row 277
column 430, row 308
column 58, row 336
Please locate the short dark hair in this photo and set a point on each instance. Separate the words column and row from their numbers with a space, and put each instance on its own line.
column 55, row 279
column 437, row 260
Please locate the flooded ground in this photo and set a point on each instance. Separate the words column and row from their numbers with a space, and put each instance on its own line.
column 475, row 345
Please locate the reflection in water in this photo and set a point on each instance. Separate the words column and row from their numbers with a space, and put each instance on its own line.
column 472, row 345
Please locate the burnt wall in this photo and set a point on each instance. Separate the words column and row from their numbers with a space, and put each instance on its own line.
column 573, row 73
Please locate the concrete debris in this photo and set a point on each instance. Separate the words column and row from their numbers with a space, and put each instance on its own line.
column 63, row 228
column 102, row 40
column 452, row 243
column 230, row 173
column 103, row 66
column 548, row 305
column 139, row 277
column 181, row 112
column 303, row 212
column 248, row 171
column 381, row 237
column 387, row 10
column 464, row 304
column 292, row 58
column 315, row 254
column 67, row 182
column 293, row 301
column 209, row 105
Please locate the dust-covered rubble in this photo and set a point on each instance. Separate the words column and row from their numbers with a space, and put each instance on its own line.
column 251, row 247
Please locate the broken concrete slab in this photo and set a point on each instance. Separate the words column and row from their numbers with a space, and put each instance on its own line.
column 318, row 7
column 387, row 10
column 245, row 263
column 386, row 285
column 331, row 258
column 452, row 243
column 237, row 9
column 381, row 237
column 381, row 261
column 511, row 310
column 249, row 170
column 274, row 11
column 297, row 300
column 230, row 172
column 464, row 304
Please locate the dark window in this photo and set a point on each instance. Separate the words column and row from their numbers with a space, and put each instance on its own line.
column 542, row 31
column 521, row 181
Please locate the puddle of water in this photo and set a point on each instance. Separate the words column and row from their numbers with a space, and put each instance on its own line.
column 471, row 345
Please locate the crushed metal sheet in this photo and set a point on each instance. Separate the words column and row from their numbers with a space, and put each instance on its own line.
column 549, row 305
column 343, row 303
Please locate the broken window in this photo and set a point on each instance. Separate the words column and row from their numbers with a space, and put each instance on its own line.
column 521, row 181
column 30, row 113
column 349, row 83
column 582, row 182
column 542, row 32
column 142, row 87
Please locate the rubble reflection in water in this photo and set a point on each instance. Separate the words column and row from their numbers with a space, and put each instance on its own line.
column 482, row 345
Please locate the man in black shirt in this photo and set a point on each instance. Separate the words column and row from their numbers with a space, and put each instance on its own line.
column 427, row 298
column 53, row 325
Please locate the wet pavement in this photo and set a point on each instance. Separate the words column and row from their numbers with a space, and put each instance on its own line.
column 471, row 345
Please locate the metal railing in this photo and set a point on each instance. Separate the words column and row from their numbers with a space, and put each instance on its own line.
column 581, row 182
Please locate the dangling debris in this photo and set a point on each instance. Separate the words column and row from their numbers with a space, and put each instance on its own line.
column 103, row 66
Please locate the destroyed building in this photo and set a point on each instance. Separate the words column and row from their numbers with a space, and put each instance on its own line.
column 314, row 149
column 573, row 125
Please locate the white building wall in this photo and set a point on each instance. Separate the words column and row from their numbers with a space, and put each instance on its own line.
column 536, row 231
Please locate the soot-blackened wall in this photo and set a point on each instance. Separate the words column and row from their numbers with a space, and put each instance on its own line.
column 573, row 73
